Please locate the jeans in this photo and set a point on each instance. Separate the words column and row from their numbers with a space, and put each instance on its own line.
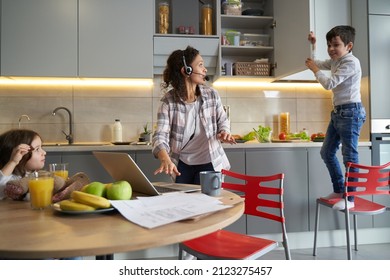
column 190, row 173
column 344, row 128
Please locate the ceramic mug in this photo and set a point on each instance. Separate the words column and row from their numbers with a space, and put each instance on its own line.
column 210, row 182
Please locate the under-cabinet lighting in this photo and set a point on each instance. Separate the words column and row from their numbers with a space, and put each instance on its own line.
column 257, row 84
column 75, row 81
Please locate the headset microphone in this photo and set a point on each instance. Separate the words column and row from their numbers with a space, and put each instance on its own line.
column 204, row 76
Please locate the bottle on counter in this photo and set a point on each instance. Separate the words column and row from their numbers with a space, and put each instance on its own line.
column 284, row 122
column 117, row 131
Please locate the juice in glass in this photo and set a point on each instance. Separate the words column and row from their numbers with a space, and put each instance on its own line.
column 59, row 169
column 41, row 191
column 62, row 173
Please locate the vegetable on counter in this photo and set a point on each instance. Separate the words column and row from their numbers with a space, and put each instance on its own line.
column 263, row 134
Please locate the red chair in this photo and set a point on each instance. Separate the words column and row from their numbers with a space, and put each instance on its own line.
column 263, row 196
column 368, row 180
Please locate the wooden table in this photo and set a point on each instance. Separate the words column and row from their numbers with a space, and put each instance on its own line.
column 40, row 234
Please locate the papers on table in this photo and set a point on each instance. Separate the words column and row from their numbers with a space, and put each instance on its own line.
column 154, row 211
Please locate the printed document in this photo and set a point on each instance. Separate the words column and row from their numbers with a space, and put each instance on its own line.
column 155, row 211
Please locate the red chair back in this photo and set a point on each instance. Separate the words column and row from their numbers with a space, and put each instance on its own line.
column 368, row 180
column 260, row 194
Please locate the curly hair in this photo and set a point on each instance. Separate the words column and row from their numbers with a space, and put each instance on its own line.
column 11, row 139
column 172, row 75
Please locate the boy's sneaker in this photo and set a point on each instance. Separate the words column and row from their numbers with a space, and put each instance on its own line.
column 340, row 205
column 332, row 196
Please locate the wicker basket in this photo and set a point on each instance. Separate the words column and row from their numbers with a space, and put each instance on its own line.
column 251, row 69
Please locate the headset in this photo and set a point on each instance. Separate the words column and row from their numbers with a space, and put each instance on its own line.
column 187, row 69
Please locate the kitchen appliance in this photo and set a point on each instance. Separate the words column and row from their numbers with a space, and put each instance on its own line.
column 380, row 139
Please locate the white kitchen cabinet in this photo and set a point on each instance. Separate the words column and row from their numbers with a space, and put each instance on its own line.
column 39, row 38
column 115, row 38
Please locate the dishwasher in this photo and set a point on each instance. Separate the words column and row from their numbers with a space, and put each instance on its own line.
column 380, row 139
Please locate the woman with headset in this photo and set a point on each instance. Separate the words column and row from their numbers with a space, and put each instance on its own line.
column 191, row 122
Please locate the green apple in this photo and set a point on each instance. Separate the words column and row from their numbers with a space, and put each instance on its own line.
column 95, row 188
column 120, row 190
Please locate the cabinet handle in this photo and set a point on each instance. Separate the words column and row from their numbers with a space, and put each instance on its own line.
column 273, row 25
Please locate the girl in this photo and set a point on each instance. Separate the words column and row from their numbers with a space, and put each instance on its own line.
column 20, row 154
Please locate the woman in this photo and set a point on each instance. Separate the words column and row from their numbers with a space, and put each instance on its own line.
column 191, row 122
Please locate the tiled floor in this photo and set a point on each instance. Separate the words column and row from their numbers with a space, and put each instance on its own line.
column 365, row 252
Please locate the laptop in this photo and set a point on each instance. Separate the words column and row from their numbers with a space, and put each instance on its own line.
column 121, row 166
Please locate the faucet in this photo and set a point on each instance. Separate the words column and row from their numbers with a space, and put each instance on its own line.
column 69, row 136
column 20, row 119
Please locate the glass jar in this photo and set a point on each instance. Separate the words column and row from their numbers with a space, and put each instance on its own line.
column 207, row 20
column 284, row 122
column 163, row 10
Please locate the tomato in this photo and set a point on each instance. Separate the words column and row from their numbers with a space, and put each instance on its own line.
column 282, row 136
column 314, row 135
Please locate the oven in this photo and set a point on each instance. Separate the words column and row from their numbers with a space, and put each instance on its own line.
column 380, row 139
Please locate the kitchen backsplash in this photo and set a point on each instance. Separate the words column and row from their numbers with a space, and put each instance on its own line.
column 95, row 108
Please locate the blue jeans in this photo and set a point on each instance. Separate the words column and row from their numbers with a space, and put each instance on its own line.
column 190, row 173
column 344, row 128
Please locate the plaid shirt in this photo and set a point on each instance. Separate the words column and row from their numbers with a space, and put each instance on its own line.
column 171, row 121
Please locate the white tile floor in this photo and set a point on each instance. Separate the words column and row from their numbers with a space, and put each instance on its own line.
column 365, row 252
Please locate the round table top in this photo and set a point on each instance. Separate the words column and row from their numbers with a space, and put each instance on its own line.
column 39, row 234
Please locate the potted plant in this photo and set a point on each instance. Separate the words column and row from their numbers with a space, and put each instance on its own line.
column 145, row 136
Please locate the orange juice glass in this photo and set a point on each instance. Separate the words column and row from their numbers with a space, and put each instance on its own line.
column 59, row 169
column 41, row 185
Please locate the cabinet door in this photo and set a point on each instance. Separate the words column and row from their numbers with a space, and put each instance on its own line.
column 380, row 7
column 294, row 21
column 379, row 66
column 87, row 163
column 164, row 46
column 237, row 161
column 39, row 38
column 293, row 163
column 292, row 27
column 115, row 38
column 321, row 185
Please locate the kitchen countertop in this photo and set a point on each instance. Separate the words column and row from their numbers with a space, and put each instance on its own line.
column 97, row 146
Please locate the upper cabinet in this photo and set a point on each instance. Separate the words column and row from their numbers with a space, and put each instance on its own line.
column 276, row 31
column 115, row 38
column 39, row 38
column 77, row 38
column 179, row 23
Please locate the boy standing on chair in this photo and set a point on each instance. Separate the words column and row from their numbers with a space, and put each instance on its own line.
column 348, row 114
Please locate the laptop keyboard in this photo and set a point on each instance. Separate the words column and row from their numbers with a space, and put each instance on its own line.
column 162, row 189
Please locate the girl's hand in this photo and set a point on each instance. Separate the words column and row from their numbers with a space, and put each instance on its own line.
column 18, row 152
column 225, row 137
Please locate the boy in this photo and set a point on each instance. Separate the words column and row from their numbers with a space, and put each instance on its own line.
column 348, row 114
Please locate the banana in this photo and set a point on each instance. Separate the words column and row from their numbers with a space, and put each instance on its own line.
column 90, row 199
column 69, row 205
